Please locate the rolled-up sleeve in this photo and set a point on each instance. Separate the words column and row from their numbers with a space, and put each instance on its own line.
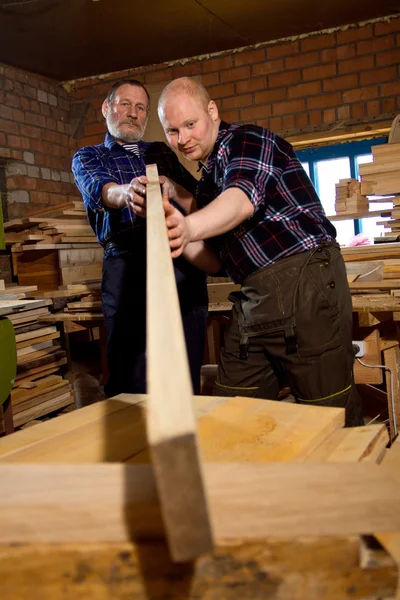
column 253, row 165
column 91, row 176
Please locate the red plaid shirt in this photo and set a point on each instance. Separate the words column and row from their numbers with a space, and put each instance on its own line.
column 288, row 216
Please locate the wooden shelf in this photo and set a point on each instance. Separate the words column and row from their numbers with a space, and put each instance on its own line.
column 360, row 215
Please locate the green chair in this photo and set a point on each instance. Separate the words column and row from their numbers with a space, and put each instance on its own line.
column 8, row 370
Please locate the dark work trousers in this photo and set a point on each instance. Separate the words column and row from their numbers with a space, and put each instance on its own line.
column 124, row 308
column 292, row 323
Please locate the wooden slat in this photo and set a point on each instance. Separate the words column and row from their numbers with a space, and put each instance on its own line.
column 113, row 502
column 171, row 422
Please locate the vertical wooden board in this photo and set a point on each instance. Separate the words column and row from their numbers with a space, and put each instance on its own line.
column 171, row 422
column 372, row 357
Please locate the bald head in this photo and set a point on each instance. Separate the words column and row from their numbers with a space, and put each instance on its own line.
column 184, row 85
column 189, row 118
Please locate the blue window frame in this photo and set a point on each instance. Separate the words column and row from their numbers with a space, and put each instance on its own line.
column 351, row 150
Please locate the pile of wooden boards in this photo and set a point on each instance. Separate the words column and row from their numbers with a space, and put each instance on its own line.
column 39, row 388
column 349, row 198
column 373, row 268
column 54, row 247
column 382, row 176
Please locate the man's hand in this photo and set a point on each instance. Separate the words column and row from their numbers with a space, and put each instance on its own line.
column 177, row 225
column 131, row 194
column 178, row 194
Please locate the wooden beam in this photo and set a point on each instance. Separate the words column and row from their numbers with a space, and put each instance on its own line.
column 171, row 421
column 118, row 503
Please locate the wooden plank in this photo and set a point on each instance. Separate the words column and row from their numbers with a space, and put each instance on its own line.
column 35, row 333
column 353, row 444
column 273, row 569
column 90, row 503
column 372, row 357
column 17, row 306
column 171, row 422
column 43, row 409
column 219, row 292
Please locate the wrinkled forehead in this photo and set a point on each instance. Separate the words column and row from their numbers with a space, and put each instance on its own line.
column 133, row 93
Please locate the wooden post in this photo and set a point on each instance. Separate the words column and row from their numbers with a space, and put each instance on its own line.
column 171, row 422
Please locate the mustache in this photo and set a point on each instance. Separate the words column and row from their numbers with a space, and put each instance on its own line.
column 129, row 122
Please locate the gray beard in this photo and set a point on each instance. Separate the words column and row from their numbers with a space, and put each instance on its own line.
column 126, row 137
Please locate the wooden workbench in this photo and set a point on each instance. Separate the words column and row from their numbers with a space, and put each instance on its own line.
column 243, row 430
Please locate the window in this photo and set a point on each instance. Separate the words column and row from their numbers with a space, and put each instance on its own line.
column 325, row 166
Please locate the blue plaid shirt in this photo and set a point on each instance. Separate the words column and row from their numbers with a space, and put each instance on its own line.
column 288, row 216
column 94, row 166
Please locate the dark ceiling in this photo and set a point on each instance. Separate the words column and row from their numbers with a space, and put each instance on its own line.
column 68, row 39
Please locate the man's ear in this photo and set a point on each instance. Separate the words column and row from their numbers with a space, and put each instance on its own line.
column 213, row 110
column 104, row 108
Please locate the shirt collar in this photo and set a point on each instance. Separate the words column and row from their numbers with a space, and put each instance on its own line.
column 110, row 143
column 223, row 128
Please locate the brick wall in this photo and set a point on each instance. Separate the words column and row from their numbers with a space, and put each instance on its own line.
column 309, row 84
column 35, row 142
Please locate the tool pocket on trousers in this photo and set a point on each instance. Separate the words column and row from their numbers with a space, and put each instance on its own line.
column 317, row 307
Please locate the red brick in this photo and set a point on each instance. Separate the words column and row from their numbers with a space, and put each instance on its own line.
column 25, row 104
column 45, row 110
column 375, row 45
column 328, row 56
column 46, row 185
column 270, row 66
column 2, row 139
column 374, row 108
column 188, row 70
column 12, row 100
column 304, row 89
column 318, row 41
column 20, row 182
column 324, row 101
column 341, row 83
column 361, row 93
column 19, row 115
column 6, row 112
column 237, row 101
column 30, row 131
column 221, row 91
column 51, row 123
column 388, row 105
column 35, row 107
column 95, row 128
column 285, row 49
column 319, row 72
column 385, row 28
column 288, row 122
column 83, row 93
column 30, row 92
column 275, row 124
column 235, row 74
column 218, row 64
column 157, row 77
column 356, row 64
column 286, row 78
column 17, row 141
column 38, row 120
column 255, row 112
column 39, row 197
column 390, row 89
column 292, row 106
column 353, row 34
column 301, row 120
column 270, row 96
column 230, row 116
column 250, row 85
column 358, row 111
column 343, row 112
column 378, row 75
column 16, row 154
column 210, row 79
column 315, row 117
column 301, row 60
column 338, row 53
column 329, row 115
column 9, row 126
column 387, row 58
column 249, row 58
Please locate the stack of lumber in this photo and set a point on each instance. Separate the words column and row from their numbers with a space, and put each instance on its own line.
column 66, row 223
column 382, row 176
column 39, row 388
column 54, row 247
column 349, row 198
column 374, row 268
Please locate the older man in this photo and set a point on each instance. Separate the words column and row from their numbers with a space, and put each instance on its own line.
column 111, row 179
column 292, row 320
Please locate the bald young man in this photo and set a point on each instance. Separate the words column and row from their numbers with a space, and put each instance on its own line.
column 292, row 321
